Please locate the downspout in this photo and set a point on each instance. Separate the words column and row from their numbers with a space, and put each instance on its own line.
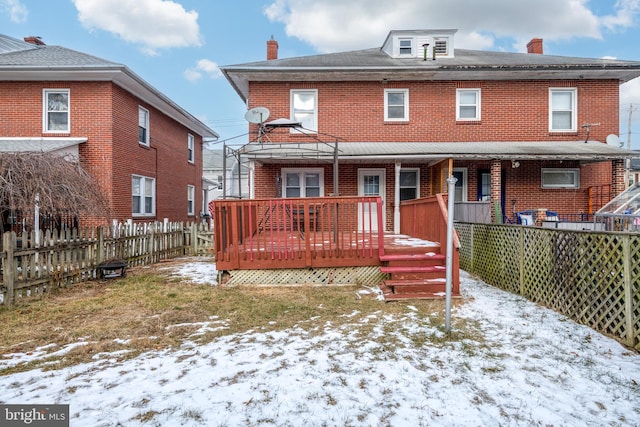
column 396, row 200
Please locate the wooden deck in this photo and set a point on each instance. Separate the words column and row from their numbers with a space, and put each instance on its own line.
column 334, row 232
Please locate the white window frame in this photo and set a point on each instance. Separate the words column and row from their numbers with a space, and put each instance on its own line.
column 142, row 110
column 401, row 47
column 575, row 172
column 438, row 42
column 311, row 125
column 302, row 172
column 191, row 143
column 574, row 109
column 460, row 104
column 191, row 200
column 462, row 185
column 46, row 124
column 143, row 196
column 405, row 117
column 417, row 186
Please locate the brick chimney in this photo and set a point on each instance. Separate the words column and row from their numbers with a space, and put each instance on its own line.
column 272, row 49
column 34, row 40
column 535, row 46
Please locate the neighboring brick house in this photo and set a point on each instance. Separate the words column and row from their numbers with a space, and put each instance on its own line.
column 144, row 150
column 523, row 131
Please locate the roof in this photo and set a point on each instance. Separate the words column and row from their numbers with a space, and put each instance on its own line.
column 45, row 144
column 374, row 64
column 591, row 151
column 22, row 61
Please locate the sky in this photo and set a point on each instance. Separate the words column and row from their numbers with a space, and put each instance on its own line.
column 519, row 365
column 178, row 46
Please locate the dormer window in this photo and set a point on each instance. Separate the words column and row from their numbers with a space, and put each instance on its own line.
column 405, row 46
column 441, row 46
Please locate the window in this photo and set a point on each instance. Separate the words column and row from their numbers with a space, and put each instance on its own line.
column 191, row 193
column 396, row 105
column 56, row 110
column 560, row 178
column 143, row 194
column 190, row 148
column 484, row 185
column 562, row 110
column 441, row 46
column 304, row 109
column 143, row 126
column 409, row 179
column 461, row 184
column 405, row 46
column 468, row 104
column 303, row 183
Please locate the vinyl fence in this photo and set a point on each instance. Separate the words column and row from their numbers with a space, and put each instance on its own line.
column 35, row 263
column 591, row 277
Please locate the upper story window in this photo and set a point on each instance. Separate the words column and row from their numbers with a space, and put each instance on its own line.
column 303, row 182
column 56, row 110
column 143, row 192
column 562, row 110
column 143, row 126
column 396, row 105
column 405, row 46
column 191, row 197
column 468, row 104
column 304, row 109
column 441, row 46
column 190, row 148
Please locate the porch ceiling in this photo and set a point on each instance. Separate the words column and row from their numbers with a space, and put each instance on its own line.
column 384, row 152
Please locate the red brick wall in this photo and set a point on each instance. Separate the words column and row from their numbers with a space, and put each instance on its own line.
column 108, row 116
column 511, row 111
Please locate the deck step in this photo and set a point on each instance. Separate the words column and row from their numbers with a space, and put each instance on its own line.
column 413, row 269
column 416, row 286
column 412, row 257
column 421, row 295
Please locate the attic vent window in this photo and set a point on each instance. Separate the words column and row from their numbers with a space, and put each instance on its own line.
column 441, row 47
column 406, row 46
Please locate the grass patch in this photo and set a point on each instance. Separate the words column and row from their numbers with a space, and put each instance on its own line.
column 149, row 310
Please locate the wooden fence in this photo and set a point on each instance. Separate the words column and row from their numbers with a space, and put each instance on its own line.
column 590, row 277
column 34, row 263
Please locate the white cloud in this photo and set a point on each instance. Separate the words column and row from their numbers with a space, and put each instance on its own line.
column 203, row 67
column 336, row 25
column 152, row 24
column 15, row 9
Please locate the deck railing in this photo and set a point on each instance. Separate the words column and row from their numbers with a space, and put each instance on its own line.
column 297, row 232
column 426, row 219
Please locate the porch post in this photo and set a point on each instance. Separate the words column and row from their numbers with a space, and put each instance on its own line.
column 396, row 200
column 617, row 177
column 496, row 191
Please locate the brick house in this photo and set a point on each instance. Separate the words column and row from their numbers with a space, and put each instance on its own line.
column 520, row 131
column 143, row 149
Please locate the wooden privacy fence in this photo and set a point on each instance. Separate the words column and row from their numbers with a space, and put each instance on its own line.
column 590, row 277
column 34, row 263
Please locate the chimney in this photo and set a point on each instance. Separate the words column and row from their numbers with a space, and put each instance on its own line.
column 37, row 40
column 535, row 46
column 272, row 49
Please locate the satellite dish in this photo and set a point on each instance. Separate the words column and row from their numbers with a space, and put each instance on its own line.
column 257, row 115
column 613, row 140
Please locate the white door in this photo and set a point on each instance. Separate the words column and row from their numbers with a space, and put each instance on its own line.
column 370, row 184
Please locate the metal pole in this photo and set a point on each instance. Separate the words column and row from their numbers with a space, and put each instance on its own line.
column 449, row 258
column 224, row 170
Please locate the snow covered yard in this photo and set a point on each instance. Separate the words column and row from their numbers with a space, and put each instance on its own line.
column 507, row 362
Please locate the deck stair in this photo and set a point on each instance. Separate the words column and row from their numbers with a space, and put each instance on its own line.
column 415, row 273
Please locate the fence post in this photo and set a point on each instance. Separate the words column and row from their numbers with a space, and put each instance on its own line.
column 8, row 276
column 521, row 260
column 628, row 291
column 101, row 248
